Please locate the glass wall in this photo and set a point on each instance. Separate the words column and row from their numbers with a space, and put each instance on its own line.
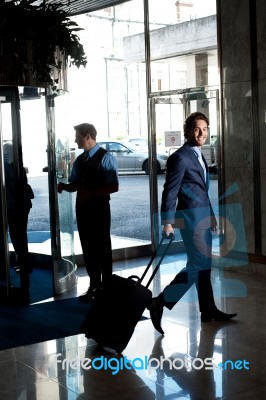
column 184, row 71
column 111, row 92
column 184, row 79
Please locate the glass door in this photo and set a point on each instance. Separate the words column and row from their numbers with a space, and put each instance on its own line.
column 207, row 101
column 50, row 230
column 61, row 206
column 168, row 114
column 27, row 114
column 15, row 201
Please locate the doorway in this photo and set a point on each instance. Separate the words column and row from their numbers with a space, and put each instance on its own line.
column 168, row 113
column 30, row 121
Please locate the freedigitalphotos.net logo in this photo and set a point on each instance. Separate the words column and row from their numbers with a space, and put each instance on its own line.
column 117, row 365
column 234, row 365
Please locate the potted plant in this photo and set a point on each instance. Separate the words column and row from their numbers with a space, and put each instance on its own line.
column 37, row 43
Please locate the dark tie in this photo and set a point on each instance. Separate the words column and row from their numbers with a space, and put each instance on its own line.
column 86, row 155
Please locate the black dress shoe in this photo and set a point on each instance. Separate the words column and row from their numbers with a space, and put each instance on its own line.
column 156, row 313
column 216, row 316
column 89, row 296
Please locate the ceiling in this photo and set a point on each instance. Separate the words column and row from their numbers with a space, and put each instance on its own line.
column 76, row 7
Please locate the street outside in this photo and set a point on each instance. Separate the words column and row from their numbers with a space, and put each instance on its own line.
column 130, row 206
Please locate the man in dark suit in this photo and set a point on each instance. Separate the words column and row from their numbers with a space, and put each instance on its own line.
column 186, row 205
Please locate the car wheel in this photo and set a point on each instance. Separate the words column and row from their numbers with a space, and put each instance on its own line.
column 146, row 168
column 159, row 171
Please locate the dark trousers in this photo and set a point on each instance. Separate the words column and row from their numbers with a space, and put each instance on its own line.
column 94, row 222
column 17, row 225
column 198, row 246
column 18, row 235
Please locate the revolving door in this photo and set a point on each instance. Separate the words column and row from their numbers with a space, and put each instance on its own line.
column 35, row 144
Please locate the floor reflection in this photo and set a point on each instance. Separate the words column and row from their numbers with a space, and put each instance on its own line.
column 34, row 373
column 194, row 376
column 111, row 373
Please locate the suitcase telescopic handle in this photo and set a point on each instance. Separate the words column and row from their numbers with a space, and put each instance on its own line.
column 170, row 239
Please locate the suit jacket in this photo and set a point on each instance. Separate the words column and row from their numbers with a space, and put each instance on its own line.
column 185, row 200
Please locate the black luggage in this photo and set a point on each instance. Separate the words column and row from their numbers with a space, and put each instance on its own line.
column 114, row 313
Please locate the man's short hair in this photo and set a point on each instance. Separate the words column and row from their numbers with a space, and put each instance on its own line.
column 190, row 121
column 86, row 129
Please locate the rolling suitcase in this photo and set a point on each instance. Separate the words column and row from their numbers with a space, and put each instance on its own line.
column 115, row 312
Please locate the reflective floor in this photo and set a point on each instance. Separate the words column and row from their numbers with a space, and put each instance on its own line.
column 191, row 361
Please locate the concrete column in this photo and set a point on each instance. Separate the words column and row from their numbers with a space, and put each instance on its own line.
column 242, row 53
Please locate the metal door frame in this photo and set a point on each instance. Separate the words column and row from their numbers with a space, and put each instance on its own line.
column 3, row 215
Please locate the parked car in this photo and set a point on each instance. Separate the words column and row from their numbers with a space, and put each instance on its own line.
column 130, row 158
column 139, row 142
column 142, row 144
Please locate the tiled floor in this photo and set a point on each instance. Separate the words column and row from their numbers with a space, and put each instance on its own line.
column 169, row 367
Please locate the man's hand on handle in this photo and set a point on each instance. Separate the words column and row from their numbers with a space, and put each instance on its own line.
column 168, row 231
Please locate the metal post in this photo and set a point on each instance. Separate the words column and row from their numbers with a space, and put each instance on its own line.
column 3, row 215
column 151, row 132
column 127, row 100
column 107, row 96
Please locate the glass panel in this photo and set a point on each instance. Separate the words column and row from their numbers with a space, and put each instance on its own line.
column 111, row 94
column 34, row 147
column 187, row 52
column 170, row 114
column 66, row 262
column 169, row 121
column 25, row 160
column 208, row 103
column 48, row 210
column 17, row 239
column 18, row 195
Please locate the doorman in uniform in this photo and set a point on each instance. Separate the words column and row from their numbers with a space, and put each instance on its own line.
column 94, row 177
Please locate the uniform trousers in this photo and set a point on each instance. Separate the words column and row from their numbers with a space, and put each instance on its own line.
column 94, row 223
